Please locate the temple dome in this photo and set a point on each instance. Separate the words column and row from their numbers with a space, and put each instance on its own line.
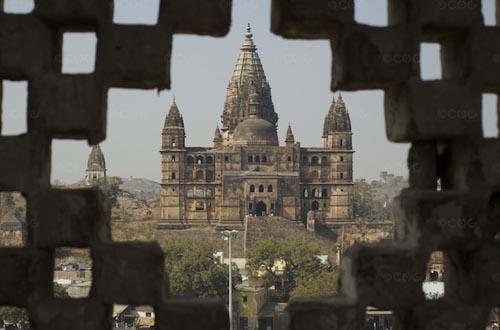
column 255, row 131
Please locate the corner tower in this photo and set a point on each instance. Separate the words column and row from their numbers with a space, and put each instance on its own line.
column 172, row 166
column 337, row 133
column 173, row 135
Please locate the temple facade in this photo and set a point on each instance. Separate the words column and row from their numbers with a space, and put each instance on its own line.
column 247, row 172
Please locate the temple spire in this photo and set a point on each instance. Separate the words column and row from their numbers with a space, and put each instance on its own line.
column 248, row 92
column 290, row 139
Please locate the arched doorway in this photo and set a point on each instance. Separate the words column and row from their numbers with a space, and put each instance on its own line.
column 315, row 206
column 260, row 209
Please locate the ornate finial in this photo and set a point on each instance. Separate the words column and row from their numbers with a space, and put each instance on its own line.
column 249, row 29
column 340, row 95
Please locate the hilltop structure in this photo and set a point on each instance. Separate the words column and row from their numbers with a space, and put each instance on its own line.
column 246, row 172
column 96, row 166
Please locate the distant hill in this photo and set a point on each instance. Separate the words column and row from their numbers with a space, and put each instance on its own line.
column 141, row 188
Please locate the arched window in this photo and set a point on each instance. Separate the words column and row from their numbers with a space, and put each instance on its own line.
column 341, row 176
column 314, row 160
column 324, row 160
column 210, row 176
column 305, row 160
column 189, row 193
column 257, row 159
column 264, row 158
column 190, row 160
column 341, row 158
column 341, row 142
column 289, row 158
column 173, row 158
column 324, row 192
column 252, row 188
column 315, row 206
column 173, row 143
column 200, row 206
column 261, row 188
column 210, row 192
column 314, row 192
column 250, row 159
column 199, row 160
column 270, row 188
column 199, row 192
column 199, row 175
column 305, row 193
column 173, row 176
column 210, row 159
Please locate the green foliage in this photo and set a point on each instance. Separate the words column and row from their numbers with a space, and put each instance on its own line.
column 13, row 315
column 60, row 291
column 193, row 271
column 111, row 188
column 323, row 285
column 366, row 205
column 299, row 258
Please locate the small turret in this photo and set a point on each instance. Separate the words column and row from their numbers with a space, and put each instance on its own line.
column 337, row 126
column 173, row 135
column 217, row 138
column 290, row 139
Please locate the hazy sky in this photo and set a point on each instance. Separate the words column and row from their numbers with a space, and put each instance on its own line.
column 299, row 73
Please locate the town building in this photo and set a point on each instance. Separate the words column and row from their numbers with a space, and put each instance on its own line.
column 247, row 172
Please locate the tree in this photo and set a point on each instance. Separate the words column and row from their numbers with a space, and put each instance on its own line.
column 60, row 291
column 13, row 315
column 365, row 203
column 194, row 271
column 111, row 188
column 298, row 259
column 323, row 285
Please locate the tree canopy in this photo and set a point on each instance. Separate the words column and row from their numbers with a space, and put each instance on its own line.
column 194, row 271
column 287, row 265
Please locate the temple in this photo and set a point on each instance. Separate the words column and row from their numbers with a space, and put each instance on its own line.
column 246, row 172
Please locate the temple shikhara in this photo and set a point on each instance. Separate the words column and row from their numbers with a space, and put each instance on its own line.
column 247, row 172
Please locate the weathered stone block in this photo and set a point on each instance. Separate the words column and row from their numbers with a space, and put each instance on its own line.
column 308, row 19
column 132, row 56
column 435, row 220
column 25, row 162
column 76, row 218
column 419, row 111
column 204, row 17
column 75, row 314
column 182, row 314
column 25, row 275
column 444, row 14
column 384, row 276
column 337, row 313
column 447, row 315
column 24, row 43
column 422, row 164
column 119, row 267
column 366, row 57
column 487, row 61
column 70, row 106
column 478, row 275
column 75, row 12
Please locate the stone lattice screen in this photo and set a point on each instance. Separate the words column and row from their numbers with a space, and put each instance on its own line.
column 442, row 120
column 461, row 220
